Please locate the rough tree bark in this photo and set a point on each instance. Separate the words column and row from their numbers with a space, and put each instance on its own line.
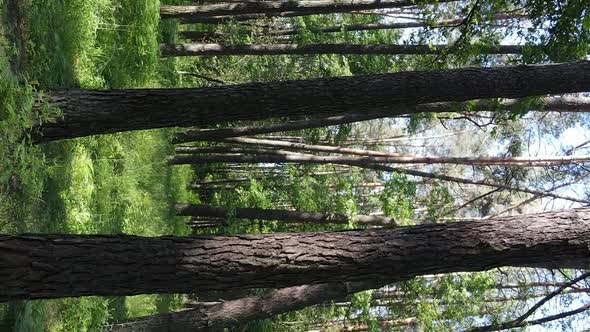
column 561, row 104
column 231, row 313
column 202, row 49
column 281, row 215
column 88, row 112
column 49, row 266
column 223, row 12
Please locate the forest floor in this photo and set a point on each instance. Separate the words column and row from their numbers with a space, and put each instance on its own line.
column 110, row 184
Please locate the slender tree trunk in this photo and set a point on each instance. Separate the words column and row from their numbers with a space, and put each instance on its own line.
column 216, row 186
column 232, row 313
column 375, row 159
column 88, row 112
column 200, row 49
column 281, row 215
column 222, row 181
column 299, row 146
column 565, row 104
column 223, row 12
column 49, row 266
column 201, row 35
column 390, row 26
column 230, row 150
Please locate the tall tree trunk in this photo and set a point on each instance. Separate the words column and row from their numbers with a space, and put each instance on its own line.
column 232, row 313
column 88, row 112
column 49, row 266
column 230, row 149
column 201, row 49
column 375, row 159
column 201, row 35
column 290, row 145
column 223, row 12
column 563, row 104
column 281, row 215
column 387, row 26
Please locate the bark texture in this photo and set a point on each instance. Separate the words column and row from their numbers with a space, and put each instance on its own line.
column 281, row 215
column 231, row 313
column 88, row 112
column 560, row 104
column 49, row 266
column 202, row 49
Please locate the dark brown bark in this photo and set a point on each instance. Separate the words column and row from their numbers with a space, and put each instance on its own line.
column 231, row 313
column 89, row 112
column 567, row 104
column 200, row 49
column 49, row 266
column 281, row 215
column 223, row 12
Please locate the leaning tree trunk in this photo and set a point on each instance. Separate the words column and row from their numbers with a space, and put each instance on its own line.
column 201, row 49
column 88, row 112
column 50, row 266
column 232, row 313
column 562, row 104
column 281, row 215
column 223, row 12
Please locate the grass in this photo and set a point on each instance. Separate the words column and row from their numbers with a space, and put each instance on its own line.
column 96, row 185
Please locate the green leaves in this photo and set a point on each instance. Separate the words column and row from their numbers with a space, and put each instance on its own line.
column 397, row 198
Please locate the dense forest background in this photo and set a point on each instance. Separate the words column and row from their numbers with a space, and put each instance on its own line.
column 513, row 156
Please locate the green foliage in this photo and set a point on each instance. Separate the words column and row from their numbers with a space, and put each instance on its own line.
column 567, row 37
column 83, row 314
column 121, row 184
column 110, row 184
column 444, row 303
column 397, row 198
column 439, row 202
